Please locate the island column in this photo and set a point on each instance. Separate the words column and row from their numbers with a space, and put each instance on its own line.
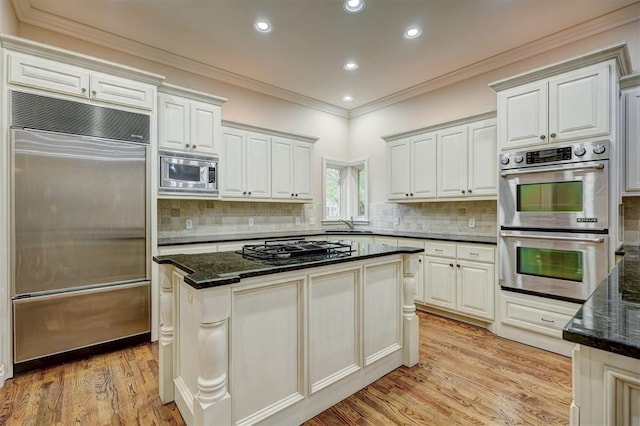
column 410, row 321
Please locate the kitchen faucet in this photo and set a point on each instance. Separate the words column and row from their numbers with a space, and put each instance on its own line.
column 349, row 223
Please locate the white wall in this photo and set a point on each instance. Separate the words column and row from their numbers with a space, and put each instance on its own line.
column 468, row 97
column 8, row 21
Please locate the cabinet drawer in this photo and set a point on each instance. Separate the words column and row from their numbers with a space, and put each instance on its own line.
column 476, row 253
column 49, row 75
column 409, row 242
column 532, row 316
column 440, row 249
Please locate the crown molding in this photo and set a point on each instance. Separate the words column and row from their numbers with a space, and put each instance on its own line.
column 272, row 132
column 630, row 81
column 597, row 25
column 447, row 124
column 172, row 89
column 26, row 14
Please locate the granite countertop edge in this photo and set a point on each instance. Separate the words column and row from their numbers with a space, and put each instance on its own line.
column 231, row 278
column 603, row 329
column 204, row 239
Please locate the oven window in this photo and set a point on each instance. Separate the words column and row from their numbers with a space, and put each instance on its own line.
column 550, row 197
column 184, row 173
column 550, row 263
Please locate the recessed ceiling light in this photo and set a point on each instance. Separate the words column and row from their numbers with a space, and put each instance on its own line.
column 350, row 66
column 353, row 6
column 412, row 32
column 347, row 98
column 263, row 27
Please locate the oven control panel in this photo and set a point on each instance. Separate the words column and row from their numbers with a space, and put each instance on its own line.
column 576, row 152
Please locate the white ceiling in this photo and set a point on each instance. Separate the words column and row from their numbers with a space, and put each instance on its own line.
column 312, row 39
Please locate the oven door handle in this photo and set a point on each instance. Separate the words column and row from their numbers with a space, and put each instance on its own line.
column 551, row 169
column 546, row 237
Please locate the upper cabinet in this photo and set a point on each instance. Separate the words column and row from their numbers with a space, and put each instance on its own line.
column 411, row 168
column 189, row 120
column 454, row 160
column 572, row 105
column 576, row 99
column 265, row 165
column 631, row 105
column 66, row 79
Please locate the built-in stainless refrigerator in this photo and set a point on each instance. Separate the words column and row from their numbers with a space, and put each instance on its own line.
column 80, row 236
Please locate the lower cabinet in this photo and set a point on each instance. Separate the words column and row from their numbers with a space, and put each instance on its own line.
column 606, row 388
column 460, row 278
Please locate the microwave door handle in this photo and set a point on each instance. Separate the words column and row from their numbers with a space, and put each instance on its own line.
column 544, row 237
column 550, row 169
column 212, row 174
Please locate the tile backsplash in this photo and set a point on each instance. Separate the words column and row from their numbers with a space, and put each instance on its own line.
column 631, row 220
column 224, row 217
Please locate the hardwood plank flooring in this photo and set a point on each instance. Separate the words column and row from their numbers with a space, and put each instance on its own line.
column 466, row 376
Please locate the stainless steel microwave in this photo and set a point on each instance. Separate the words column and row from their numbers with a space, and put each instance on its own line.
column 188, row 173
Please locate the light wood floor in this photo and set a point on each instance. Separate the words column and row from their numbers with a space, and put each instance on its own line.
column 465, row 376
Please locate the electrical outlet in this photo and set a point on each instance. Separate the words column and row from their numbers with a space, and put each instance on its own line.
column 297, row 221
column 189, row 224
column 472, row 222
column 250, row 221
column 312, row 221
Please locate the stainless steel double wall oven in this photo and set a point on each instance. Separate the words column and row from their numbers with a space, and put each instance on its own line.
column 554, row 220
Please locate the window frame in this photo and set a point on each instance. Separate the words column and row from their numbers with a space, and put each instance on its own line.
column 349, row 190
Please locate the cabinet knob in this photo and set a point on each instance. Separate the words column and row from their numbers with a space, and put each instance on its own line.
column 249, row 192
column 187, row 145
column 244, row 193
column 194, row 146
column 464, row 192
column 293, row 195
column 411, row 194
column 543, row 137
column 406, row 194
column 553, row 135
column 93, row 92
column 469, row 191
column 419, row 260
column 451, row 264
column 297, row 195
column 83, row 90
column 458, row 266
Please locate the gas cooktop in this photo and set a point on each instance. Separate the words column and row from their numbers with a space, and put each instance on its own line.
column 284, row 249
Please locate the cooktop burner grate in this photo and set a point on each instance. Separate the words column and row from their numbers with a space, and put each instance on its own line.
column 296, row 248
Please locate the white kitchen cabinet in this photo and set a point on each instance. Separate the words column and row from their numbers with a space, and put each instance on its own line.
column 483, row 159
column 569, row 106
column 460, row 278
column 292, row 167
column 53, row 76
column 632, row 136
column 245, row 166
column 187, row 123
column 452, row 162
column 411, row 164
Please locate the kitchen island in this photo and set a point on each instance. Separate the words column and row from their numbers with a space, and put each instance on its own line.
column 606, row 359
column 245, row 340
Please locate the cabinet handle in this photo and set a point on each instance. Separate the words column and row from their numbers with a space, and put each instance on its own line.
column 451, row 264
column 543, row 137
column 438, row 250
column 83, row 90
column 546, row 320
column 469, row 191
column 464, row 192
column 458, row 266
column 553, row 135
column 473, row 254
column 187, row 145
column 93, row 92
column 194, row 146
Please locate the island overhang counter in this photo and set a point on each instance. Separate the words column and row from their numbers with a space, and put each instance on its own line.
column 244, row 341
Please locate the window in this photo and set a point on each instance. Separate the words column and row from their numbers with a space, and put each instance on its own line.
column 345, row 190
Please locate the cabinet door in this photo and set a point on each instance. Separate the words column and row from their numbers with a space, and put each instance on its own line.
column 522, row 112
column 303, row 170
column 232, row 163
column 117, row 90
column 205, row 120
column 174, row 123
column 423, row 166
column 632, row 118
column 452, row 162
column 579, row 103
column 475, row 282
column 483, row 156
column 258, row 161
column 398, row 169
column 440, row 282
column 49, row 75
column 282, row 168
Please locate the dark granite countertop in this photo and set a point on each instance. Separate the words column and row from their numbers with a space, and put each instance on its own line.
column 479, row 239
column 610, row 319
column 214, row 269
